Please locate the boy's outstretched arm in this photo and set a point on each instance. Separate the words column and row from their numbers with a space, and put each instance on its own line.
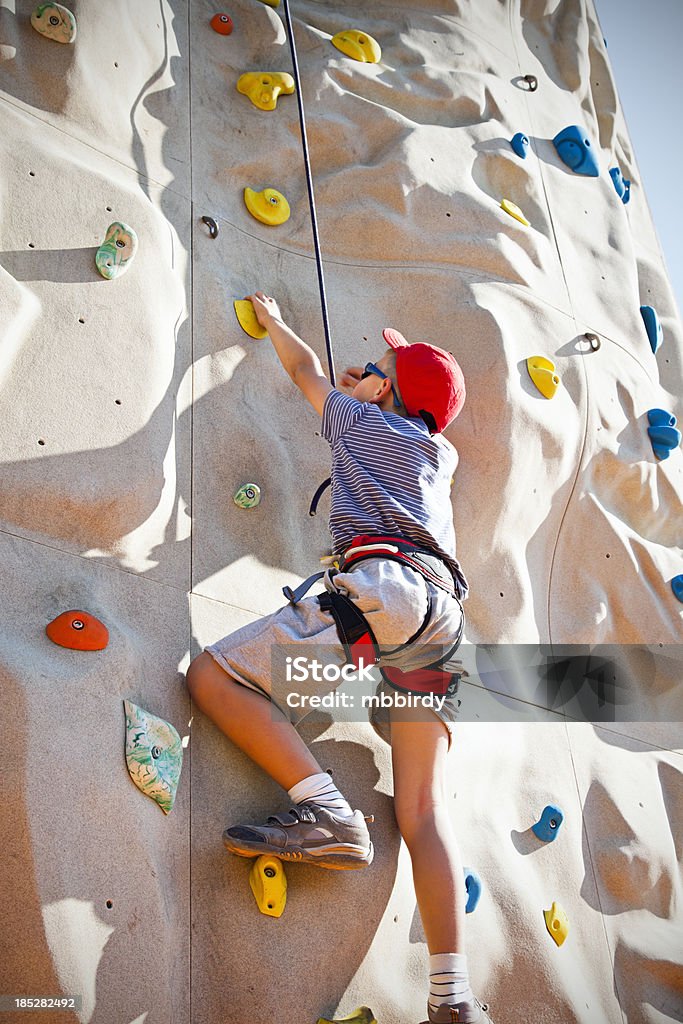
column 300, row 361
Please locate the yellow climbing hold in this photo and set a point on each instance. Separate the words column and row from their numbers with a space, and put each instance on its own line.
column 269, row 885
column 358, row 45
column 264, row 87
column 542, row 373
column 514, row 211
column 271, row 3
column 244, row 312
column 269, row 206
column 557, row 923
column 363, row 1015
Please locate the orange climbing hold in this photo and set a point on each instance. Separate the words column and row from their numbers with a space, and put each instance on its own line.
column 222, row 23
column 79, row 631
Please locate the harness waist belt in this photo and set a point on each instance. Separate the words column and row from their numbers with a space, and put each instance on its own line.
column 397, row 549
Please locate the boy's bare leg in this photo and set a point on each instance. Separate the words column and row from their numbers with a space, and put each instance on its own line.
column 418, row 751
column 254, row 724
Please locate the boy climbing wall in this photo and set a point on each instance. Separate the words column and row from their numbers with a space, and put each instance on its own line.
column 395, row 598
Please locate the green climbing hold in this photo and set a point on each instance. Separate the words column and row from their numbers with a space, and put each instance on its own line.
column 154, row 755
column 248, row 496
column 54, row 22
column 117, row 250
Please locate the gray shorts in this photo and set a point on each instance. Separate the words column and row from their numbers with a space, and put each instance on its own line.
column 394, row 600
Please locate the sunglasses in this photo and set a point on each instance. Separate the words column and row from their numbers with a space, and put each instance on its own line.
column 370, row 368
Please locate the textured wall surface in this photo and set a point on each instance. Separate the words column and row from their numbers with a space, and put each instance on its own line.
column 132, row 409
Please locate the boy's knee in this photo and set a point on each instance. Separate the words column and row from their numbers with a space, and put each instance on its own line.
column 417, row 814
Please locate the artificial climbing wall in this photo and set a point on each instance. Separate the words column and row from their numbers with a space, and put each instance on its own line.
column 133, row 408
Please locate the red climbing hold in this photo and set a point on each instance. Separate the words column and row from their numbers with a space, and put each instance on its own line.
column 222, row 23
column 78, row 630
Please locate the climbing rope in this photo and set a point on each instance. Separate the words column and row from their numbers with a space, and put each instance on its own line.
column 311, row 196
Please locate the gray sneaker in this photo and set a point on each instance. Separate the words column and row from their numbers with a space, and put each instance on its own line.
column 307, row 833
column 459, row 1013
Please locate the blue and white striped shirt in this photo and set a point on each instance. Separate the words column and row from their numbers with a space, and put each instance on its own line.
column 389, row 476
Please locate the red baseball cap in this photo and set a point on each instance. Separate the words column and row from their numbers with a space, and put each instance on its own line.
column 429, row 379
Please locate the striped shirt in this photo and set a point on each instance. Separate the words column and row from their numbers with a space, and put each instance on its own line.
column 389, row 476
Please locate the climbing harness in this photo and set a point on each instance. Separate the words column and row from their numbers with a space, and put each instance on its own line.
column 313, row 508
column 354, row 630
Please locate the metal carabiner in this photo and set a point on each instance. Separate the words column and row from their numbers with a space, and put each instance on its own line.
column 212, row 226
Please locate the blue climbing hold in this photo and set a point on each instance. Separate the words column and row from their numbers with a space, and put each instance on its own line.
column 473, row 887
column 548, row 825
column 621, row 184
column 661, row 418
column 663, row 433
column 677, row 586
column 520, row 144
column 574, row 149
column 652, row 326
column 618, row 181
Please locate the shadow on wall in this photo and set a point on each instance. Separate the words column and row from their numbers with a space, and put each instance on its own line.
column 92, row 498
column 24, row 952
column 319, row 903
column 29, row 53
column 637, row 869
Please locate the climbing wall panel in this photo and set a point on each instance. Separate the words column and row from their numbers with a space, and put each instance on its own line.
column 120, row 88
column 99, row 875
column 97, row 459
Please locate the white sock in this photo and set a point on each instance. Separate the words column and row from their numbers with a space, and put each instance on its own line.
column 321, row 789
column 448, row 980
